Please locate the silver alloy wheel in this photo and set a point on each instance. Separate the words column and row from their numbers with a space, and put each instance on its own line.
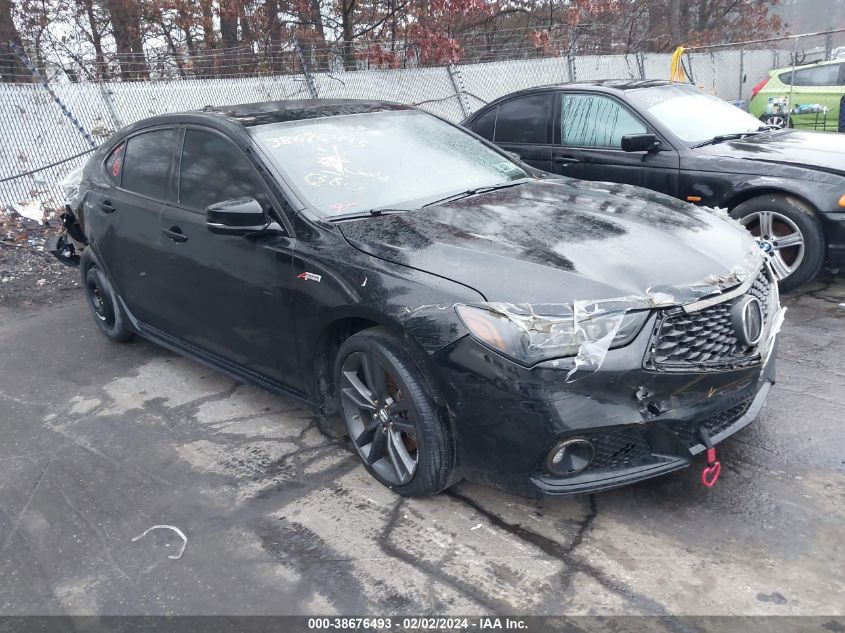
column 382, row 424
column 776, row 121
column 779, row 238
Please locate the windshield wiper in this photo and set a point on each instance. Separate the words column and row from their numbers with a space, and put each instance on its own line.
column 478, row 190
column 721, row 138
column 357, row 215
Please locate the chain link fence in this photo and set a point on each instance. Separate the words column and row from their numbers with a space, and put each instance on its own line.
column 51, row 125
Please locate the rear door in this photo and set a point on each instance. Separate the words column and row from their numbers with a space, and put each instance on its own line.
column 228, row 295
column 816, row 94
column 122, row 220
column 588, row 144
column 523, row 125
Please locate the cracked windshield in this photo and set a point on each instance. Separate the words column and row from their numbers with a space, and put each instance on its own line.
column 401, row 159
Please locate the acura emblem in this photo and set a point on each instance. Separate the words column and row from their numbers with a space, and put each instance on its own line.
column 747, row 319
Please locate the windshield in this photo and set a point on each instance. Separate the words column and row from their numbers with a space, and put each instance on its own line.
column 389, row 159
column 692, row 115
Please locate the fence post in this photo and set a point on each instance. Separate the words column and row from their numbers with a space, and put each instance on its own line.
column 106, row 94
column 792, row 82
column 21, row 55
column 741, row 73
column 309, row 78
column 570, row 66
column 641, row 64
column 460, row 89
column 828, row 45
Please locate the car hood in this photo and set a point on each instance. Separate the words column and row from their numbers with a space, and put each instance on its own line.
column 563, row 240
column 809, row 150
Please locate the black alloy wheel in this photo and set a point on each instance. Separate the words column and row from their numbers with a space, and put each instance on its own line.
column 390, row 415
column 102, row 300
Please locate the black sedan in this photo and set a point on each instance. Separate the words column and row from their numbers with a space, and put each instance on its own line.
column 787, row 187
column 466, row 315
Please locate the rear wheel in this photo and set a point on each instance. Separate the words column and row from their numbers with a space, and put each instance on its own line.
column 390, row 415
column 104, row 306
column 777, row 120
column 789, row 234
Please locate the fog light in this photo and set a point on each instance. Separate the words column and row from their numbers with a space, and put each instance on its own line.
column 570, row 457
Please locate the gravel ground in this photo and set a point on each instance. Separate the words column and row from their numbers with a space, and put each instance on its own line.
column 30, row 278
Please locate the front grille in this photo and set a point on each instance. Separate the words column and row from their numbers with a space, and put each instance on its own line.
column 705, row 339
column 689, row 432
column 762, row 289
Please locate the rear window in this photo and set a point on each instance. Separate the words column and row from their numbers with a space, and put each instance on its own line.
column 114, row 164
column 819, row 76
column 147, row 163
column 485, row 124
column 524, row 119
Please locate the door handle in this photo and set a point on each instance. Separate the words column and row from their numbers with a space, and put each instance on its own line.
column 175, row 234
column 107, row 207
column 566, row 160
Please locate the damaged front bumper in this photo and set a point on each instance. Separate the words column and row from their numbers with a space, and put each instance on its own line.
column 642, row 416
column 69, row 244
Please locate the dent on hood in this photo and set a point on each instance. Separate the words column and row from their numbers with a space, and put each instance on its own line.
column 536, row 317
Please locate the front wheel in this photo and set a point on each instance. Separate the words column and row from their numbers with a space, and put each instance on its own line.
column 790, row 235
column 390, row 415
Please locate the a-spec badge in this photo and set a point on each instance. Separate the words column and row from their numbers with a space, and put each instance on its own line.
column 309, row 277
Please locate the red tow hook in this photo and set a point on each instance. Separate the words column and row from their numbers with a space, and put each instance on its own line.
column 710, row 473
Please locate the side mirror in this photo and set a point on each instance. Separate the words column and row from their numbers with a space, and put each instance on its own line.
column 236, row 217
column 640, row 143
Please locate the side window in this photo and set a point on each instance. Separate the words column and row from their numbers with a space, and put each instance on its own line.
column 114, row 164
column 819, row 76
column 596, row 121
column 147, row 163
column 524, row 119
column 485, row 124
column 213, row 170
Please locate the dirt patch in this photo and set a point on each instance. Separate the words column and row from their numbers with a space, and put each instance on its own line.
column 29, row 275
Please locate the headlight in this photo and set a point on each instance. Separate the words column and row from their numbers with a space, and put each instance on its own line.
column 530, row 334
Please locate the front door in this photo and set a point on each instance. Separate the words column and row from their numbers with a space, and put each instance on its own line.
column 224, row 294
column 589, row 145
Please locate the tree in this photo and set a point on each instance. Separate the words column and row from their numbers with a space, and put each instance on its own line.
column 125, row 18
column 11, row 68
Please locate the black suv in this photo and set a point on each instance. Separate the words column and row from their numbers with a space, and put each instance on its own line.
column 467, row 315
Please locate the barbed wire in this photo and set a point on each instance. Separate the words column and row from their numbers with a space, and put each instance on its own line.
column 264, row 57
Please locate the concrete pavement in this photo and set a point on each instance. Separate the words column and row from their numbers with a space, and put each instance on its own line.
column 99, row 441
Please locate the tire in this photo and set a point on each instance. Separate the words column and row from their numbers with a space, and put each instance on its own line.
column 794, row 265
column 778, row 120
column 105, row 308
column 375, row 362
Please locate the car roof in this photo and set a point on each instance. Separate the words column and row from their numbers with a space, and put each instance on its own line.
column 608, row 86
column 250, row 114
column 821, row 62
